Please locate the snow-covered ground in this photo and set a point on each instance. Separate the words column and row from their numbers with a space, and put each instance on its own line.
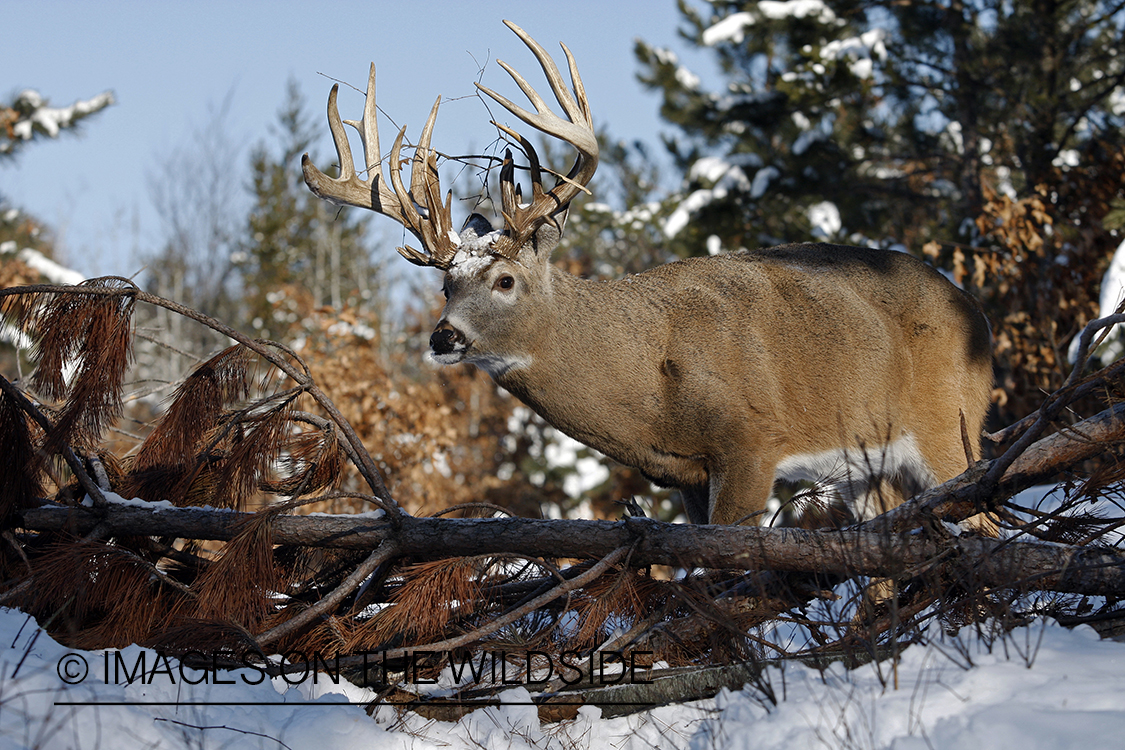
column 1043, row 687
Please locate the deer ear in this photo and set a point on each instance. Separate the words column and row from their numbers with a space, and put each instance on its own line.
column 480, row 225
column 547, row 236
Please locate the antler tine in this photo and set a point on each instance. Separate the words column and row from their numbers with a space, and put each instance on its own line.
column 551, row 71
column 578, row 131
column 510, row 194
column 409, row 218
column 579, row 89
column 348, row 189
column 424, row 183
column 434, row 230
column 368, row 128
column 578, row 134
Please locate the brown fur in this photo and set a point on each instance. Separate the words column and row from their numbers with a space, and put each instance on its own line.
column 708, row 372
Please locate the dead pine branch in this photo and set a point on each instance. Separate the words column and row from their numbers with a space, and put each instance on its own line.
column 14, row 300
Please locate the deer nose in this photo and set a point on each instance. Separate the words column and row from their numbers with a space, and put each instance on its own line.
column 445, row 339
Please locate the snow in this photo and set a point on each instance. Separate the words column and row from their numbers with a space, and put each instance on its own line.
column 52, row 119
column 709, row 169
column 733, row 28
column 780, row 9
column 1116, row 103
column 726, row 174
column 825, row 219
column 359, row 330
column 730, row 29
column 762, row 181
column 679, row 218
column 1068, row 157
column 52, row 272
column 588, row 471
column 1041, row 687
column 155, row 505
column 952, row 134
column 1113, row 284
column 810, row 134
column 687, row 79
column 1112, row 292
column 469, row 264
column 474, row 248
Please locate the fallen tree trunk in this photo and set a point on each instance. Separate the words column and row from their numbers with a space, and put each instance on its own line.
column 834, row 552
column 883, row 547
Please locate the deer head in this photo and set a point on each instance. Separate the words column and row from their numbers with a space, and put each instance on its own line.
column 489, row 273
column 848, row 366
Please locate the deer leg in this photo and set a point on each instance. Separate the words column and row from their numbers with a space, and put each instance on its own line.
column 872, row 497
column 739, row 492
column 697, row 501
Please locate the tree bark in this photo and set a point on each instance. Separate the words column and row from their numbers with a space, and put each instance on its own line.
column 842, row 552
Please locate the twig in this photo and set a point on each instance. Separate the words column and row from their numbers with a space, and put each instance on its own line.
column 333, row 598
column 508, row 618
column 966, row 442
column 223, row 726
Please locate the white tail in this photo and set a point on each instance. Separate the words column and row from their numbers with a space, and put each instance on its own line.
column 847, row 366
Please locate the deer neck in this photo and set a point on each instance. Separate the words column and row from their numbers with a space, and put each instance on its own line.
column 591, row 355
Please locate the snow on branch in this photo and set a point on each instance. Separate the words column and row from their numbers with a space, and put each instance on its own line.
column 51, row 271
column 30, row 115
column 733, row 28
column 860, row 52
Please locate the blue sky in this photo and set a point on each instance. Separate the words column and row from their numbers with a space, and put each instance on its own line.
column 171, row 65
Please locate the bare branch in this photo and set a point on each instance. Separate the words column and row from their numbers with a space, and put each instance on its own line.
column 381, row 554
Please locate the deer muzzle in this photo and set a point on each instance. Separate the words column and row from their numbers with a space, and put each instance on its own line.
column 447, row 340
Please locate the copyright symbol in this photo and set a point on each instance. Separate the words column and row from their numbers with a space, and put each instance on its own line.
column 72, row 669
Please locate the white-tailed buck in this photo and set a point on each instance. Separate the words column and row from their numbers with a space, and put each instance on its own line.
column 719, row 375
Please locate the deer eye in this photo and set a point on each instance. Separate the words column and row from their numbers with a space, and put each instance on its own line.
column 505, row 282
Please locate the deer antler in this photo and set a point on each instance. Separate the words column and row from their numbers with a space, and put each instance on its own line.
column 432, row 225
column 521, row 220
column 420, row 209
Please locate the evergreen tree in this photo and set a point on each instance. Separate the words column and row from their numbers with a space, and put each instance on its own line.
column 299, row 252
column 882, row 121
column 25, row 119
column 615, row 230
